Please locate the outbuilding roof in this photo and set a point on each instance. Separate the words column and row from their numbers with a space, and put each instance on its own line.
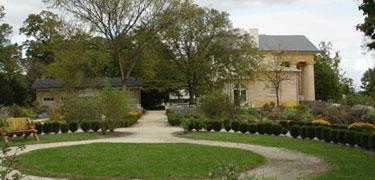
column 85, row 83
column 296, row 43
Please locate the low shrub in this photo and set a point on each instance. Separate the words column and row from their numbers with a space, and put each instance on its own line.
column 227, row 125
column 197, row 123
column 268, row 128
column 295, row 131
column 187, row 124
column 235, row 126
column 284, row 131
column 95, row 126
column 276, row 129
column 334, row 126
column 342, row 127
column 291, row 123
column 303, row 132
column 243, row 127
column 341, row 136
column 318, row 132
column 260, row 128
column 372, row 141
column 311, row 132
column 86, row 125
column 39, row 128
column 73, row 126
column 64, row 127
column 365, row 140
column 55, row 127
column 326, row 134
column 217, row 125
column 252, row 128
column 173, row 120
column 321, row 121
column 333, row 136
column 300, row 123
column 308, row 124
column 350, row 137
column 357, row 138
column 284, row 124
column 47, row 127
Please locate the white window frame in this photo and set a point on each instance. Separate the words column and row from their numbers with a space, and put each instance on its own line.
column 240, row 87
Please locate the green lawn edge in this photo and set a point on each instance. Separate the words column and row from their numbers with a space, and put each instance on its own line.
column 52, row 138
column 143, row 160
column 348, row 162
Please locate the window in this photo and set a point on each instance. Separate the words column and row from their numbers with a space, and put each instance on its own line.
column 47, row 99
column 272, row 89
column 240, row 94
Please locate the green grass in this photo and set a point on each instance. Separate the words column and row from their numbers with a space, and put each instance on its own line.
column 14, row 141
column 129, row 161
column 349, row 163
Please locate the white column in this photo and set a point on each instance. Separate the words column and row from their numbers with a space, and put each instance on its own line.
column 309, row 82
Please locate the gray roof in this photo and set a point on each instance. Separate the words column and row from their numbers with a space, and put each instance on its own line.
column 85, row 83
column 296, row 43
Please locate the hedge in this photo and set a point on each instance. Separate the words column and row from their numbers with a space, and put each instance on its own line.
column 284, row 131
column 276, row 129
column 365, row 140
column 357, row 138
column 47, row 127
column 318, row 132
column 217, row 125
column 73, row 126
column 227, row 125
column 197, row 123
column 64, row 127
column 55, row 127
column 268, row 128
column 295, row 131
column 260, row 128
column 311, row 132
column 252, row 128
column 243, row 127
column 341, row 136
column 326, row 134
column 86, row 125
column 235, row 126
column 95, row 125
column 350, row 137
column 303, row 132
column 284, row 124
column 39, row 128
column 333, row 135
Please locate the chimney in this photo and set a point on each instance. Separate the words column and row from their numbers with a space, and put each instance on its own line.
column 254, row 33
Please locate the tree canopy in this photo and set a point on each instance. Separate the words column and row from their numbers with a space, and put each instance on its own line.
column 368, row 82
column 368, row 26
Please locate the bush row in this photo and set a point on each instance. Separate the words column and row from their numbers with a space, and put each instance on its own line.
column 335, row 135
column 173, row 120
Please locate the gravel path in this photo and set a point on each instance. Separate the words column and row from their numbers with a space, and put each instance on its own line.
column 153, row 128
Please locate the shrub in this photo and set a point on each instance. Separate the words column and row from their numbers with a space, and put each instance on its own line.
column 243, row 127
column 321, row 121
column 268, row 128
column 333, row 136
column 187, row 124
column 39, row 128
column 208, row 125
column 215, row 105
column 276, row 129
column 217, row 125
column 235, row 126
column 95, row 126
column 55, row 127
column 308, row 124
column 365, row 140
column 341, row 136
column 372, row 142
column 291, row 123
column 173, row 120
column 357, row 138
column 326, row 134
column 260, row 128
column 367, row 127
column 295, row 131
column 300, row 123
column 334, row 126
column 284, row 131
column 252, row 128
column 311, row 132
column 47, row 127
column 227, row 125
column 284, row 124
column 73, row 126
column 342, row 127
column 197, row 123
column 64, row 127
column 303, row 132
column 85, row 126
column 350, row 137
column 318, row 132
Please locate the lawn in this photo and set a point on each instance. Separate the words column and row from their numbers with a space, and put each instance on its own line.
column 129, row 161
column 349, row 163
column 14, row 141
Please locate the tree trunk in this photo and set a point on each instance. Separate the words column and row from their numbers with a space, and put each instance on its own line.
column 191, row 95
column 277, row 97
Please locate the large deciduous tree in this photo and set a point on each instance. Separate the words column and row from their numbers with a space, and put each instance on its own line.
column 116, row 20
column 201, row 44
column 368, row 82
column 368, row 26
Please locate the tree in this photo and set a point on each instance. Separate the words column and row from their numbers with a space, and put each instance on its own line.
column 275, row 71
column 327, row 74
column 368, row 26
column 368, row 82
column 116, row 20
column 201, row 44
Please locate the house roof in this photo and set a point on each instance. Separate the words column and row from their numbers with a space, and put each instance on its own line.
column 296, row 43
column 85, row 83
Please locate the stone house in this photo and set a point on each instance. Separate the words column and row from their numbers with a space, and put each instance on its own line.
column 299, row 58
column 50, row 92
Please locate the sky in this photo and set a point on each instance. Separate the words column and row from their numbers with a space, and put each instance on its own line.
column 318, row 20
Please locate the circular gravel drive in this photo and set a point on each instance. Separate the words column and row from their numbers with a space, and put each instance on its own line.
column 153, row 127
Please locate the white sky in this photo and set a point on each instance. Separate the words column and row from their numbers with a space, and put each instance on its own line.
column 318, row 20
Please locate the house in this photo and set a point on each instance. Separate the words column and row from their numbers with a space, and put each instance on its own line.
column 299, row 58
column 50, row 92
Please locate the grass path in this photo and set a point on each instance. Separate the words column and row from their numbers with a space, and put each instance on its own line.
column 348, row 163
